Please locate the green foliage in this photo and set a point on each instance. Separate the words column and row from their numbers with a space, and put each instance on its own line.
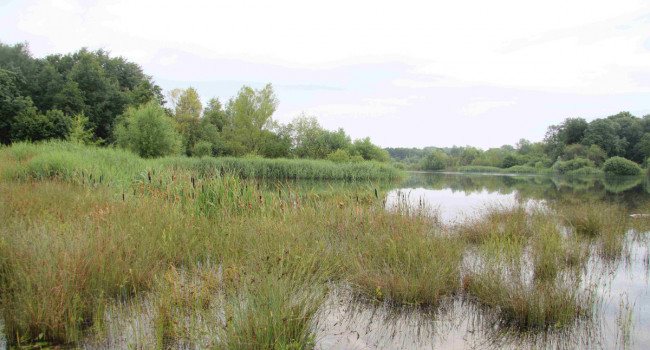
column 12, row 104
column 67, row 160
column 563, row 167
column 202, row 149
column 90, row 82
column 479, row 169
column 148, row 132
column 434, row 161
column 31, row 125
column 79, row 132
column 339, row 156
column 621, row 166
column 214, row 114
column 586, row 171
column 249, row 114
column 512, row 160
column 312, row 141
column 369, row 151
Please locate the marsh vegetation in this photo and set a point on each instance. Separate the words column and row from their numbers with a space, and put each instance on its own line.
column 103, row 249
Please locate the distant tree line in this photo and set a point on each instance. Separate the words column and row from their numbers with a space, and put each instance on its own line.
column 91, row 97
column 573, row 143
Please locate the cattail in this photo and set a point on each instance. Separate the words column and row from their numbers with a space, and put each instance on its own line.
column 376, row 194
column 122, row 196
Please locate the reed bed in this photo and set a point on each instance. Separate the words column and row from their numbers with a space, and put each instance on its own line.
column 96, row 165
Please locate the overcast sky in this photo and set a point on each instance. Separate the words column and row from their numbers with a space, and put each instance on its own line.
column 405, row 73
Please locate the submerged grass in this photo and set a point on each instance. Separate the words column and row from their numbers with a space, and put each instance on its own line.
column 530, row 304
column 607, row 223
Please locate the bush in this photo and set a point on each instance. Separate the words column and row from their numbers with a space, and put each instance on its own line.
column 434, row 161
column 339, row 156
column 148, row 132
column 621, row 166
column 564, row 167
column 585, row 172
column 202, row 149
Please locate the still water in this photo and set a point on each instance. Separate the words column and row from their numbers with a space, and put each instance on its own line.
column 622, row 289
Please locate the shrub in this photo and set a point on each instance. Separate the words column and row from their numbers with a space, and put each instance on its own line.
column 434, row 161
column 621, row 166
column 148, row 132
column 339, row 156
column 564, row 167
column 202, row 149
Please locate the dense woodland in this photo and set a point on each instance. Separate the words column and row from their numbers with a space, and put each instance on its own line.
column 90, row 97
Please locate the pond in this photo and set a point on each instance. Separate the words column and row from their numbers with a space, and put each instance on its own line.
column 621, row 318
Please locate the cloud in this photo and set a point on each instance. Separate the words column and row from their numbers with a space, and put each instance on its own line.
column 480, row 106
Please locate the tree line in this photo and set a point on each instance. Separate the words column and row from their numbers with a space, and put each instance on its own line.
column 90, row 97
column 573, row 143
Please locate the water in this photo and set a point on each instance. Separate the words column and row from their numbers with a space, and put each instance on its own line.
column 623, row 288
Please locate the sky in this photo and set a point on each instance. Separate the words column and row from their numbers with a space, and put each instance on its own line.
column 406, row 74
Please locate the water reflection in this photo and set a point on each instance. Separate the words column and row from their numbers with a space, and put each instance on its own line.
column 620, row 320
column 454, row 188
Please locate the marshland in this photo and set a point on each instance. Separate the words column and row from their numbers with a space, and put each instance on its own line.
column 134, row 219
column 103, row 249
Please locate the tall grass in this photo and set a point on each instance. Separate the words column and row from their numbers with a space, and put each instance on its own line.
column 606, row 222
column 88, row 164
column 66, row 249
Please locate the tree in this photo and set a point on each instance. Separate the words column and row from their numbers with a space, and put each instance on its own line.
column 436, row 160
column 32, row 125
column 603, row 133
column 214, row 114
column 12, row 104
column 575, row 150
column 596, row 155
column 468, row 155
column 248, row 115
column 148, row 131
column 306, row 134
column 524, row 147
column 79, row 132
column 188, row 105
column 187, row 113
column 573, row 130
column 369, row 151
column 643, row 147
